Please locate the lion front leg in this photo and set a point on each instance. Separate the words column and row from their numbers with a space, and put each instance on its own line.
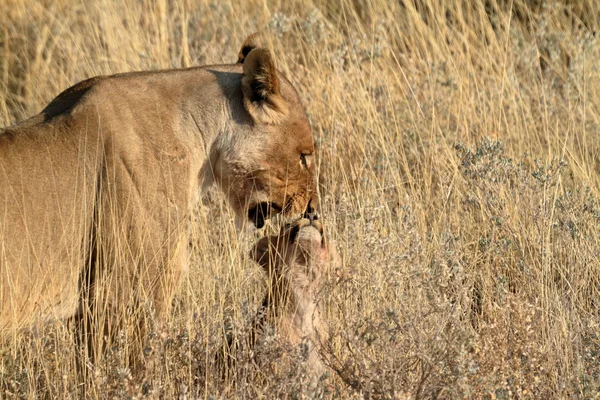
column 142, row 285
column 130, row 294
column 139, row 256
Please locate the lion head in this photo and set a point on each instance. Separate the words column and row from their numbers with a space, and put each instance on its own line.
column 298, row 256
column 268, row 165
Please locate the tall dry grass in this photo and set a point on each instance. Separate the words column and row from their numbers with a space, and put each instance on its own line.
column 459, row 174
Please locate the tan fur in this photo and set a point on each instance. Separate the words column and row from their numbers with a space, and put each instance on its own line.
column 95, row 191
column 296, row 262
column 261, row 88
column 252, row 42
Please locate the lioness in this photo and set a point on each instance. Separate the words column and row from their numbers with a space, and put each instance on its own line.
column 296, row 262
column 95, row 191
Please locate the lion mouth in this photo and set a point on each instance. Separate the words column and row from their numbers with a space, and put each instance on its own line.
column 261, row 212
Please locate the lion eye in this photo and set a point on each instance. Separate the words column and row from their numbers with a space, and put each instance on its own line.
column 305, row 160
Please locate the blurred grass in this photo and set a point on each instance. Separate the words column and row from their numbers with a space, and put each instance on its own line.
column 459, row 175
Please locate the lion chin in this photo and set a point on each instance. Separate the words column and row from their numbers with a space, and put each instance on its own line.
column 96, row 190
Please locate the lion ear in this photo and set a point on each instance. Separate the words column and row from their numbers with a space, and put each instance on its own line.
column 252, row 42
column 260, row 84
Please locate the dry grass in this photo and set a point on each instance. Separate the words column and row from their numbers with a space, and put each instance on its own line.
column 459, row 173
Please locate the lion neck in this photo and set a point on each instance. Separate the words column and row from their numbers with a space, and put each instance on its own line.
column 291, row 305
column 293, row 308
column 211, row 128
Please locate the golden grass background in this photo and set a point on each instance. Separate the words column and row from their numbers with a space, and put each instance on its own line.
column 459, row 175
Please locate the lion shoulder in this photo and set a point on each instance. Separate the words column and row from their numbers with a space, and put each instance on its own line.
column 66, row 100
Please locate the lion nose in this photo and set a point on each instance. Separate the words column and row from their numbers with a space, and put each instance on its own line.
column 311, row 212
